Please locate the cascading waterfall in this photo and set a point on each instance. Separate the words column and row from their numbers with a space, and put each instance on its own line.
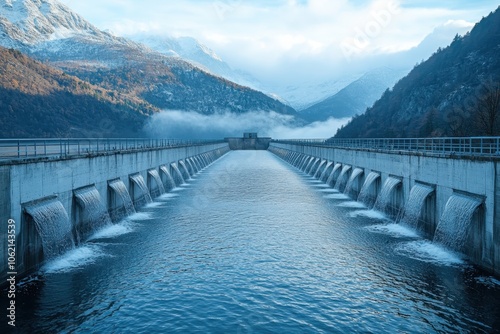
column 160, row 189
column 367, row 195
column 314, row 166
column 179, row 179
column 205, row 159
column 93, row 213
column 189, row 167
column 413, row 208
column 355, row 174
column 323, row 174
column 455, row 224
column 53, row 226
column 384, row 199
column 185, row 171
column 332, row 178
column 170, row 180
column 307, row 163
column 143, row 196
column 304, row 162
column 128, row 206
column 196, row 165
column 296, row 160
column 342, row 179
column 192, row 166
column 319, row 171
column 199, row 162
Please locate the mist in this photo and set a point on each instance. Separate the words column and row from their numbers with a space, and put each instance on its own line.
column 192, row 125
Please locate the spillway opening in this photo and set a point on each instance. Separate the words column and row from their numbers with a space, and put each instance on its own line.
column 167, row 178
column 321, row 168
column 370, row 189
column 326, row 172
column 31, row 249
column 344, row 176
column 120, row 203
column 307, row 164
column 155, row 184
column 461, row 227
column 176, row 174
column 89, row 212
column 334, row 175
column 354, row 183
column 139, row 191
column 192, row 168
column 314, row 167
column 419, row 212
column 184, row 170
column 390, row 199
column 47, row 232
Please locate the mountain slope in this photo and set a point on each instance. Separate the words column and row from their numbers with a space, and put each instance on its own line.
column 356, row 97
column 49, row 31
column 39, row 101
column 189, row 49
column 443, row 95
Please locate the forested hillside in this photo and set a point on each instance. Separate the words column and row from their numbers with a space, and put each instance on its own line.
column 39, row 101
column 456, row 92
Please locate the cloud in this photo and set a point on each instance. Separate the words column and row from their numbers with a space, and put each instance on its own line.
column 285, row 40
column 316, row 130
column 192, row 125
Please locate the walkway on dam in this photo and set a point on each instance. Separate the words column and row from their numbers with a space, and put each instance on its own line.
column 20, row 149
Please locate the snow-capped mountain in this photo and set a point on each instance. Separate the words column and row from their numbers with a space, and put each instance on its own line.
column 198, row 54
column 32, row 22
column 49, row 31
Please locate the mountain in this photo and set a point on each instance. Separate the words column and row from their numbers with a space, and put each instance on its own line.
column 37, row 100
column 456, row 92
column 52, row 33
column 307, row 93
column 199, row 55
column 302, row 93
column 356, row 97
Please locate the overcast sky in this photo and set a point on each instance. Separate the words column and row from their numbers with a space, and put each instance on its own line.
column 270, row 38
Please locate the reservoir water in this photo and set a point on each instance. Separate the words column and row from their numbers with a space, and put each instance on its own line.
column 253, row 245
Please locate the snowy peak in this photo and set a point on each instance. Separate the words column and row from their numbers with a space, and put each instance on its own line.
column 184, row 47
column 49, row 31
column 191, row 47
column 199, row 55
column 33, row 21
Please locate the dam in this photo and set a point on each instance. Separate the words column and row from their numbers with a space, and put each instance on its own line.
column 445, row 188
column 302, row 237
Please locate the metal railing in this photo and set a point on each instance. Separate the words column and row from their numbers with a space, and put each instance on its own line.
column 17, row 149
column 448, row 146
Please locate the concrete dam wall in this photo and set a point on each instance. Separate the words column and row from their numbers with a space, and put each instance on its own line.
column 56, row 203
column 452, row 201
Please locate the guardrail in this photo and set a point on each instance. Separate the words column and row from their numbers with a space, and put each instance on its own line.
column 449, row 146
column 17, row 149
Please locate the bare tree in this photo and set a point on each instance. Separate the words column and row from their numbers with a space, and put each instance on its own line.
column 487, row 110
column 457, row 123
